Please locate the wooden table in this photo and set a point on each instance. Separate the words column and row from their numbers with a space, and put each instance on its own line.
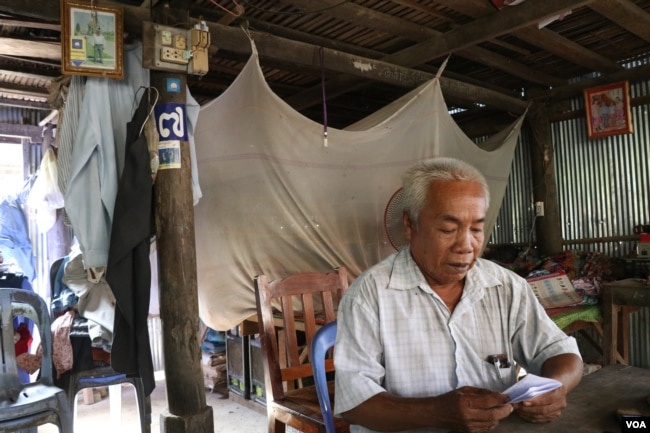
column 591, row 405
column 619, row 298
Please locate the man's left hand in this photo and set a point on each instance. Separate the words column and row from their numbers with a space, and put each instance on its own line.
column 543, row 408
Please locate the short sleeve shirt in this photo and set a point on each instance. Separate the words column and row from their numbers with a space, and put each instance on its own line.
column 395, row 333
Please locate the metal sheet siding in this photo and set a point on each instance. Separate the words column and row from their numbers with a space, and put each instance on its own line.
column 603, row 188
column 640, row 338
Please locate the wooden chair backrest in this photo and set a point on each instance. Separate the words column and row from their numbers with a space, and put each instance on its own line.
column 298, row 304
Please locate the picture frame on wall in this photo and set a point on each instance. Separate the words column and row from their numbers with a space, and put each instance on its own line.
column 608, row 110
column 92, row 40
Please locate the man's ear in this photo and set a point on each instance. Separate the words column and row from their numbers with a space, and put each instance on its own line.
column 408, row 226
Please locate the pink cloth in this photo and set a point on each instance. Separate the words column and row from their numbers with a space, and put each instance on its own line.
column 62, row 355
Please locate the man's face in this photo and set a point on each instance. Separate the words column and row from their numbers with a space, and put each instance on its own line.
column 449, row 236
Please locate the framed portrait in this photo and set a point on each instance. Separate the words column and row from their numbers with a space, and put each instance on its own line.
column 608, row 110
column 92, row 40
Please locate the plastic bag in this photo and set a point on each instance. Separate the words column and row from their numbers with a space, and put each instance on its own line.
column 45, row 197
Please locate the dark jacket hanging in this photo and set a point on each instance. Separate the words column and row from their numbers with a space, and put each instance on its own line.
column 129, row 272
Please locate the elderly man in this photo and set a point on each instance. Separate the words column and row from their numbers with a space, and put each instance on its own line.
column 419, row 333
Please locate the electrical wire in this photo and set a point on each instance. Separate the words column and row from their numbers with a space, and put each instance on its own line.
column 322, row 67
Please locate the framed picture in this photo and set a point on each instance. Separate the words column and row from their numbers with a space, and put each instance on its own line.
column 608, row 110
column 92, row 40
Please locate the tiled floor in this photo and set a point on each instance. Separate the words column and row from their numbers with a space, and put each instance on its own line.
column 229, row 416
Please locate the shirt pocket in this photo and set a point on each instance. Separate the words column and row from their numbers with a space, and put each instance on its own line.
column 499, row 375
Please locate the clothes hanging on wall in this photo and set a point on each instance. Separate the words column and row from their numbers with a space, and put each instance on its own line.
column 45, row 196
column 98, row 157
column 95, row 301
column 129, row 272
column 14, row 235
column 98, row 153
column 68, row 124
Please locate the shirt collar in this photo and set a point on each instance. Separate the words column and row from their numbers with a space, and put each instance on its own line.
column 406, row 275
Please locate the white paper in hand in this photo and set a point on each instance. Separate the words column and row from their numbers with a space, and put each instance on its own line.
column 530, row 387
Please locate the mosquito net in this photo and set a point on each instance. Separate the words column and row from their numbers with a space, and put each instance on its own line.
column 277, row 200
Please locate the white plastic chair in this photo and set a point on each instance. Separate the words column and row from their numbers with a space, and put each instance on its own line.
column 24, row 406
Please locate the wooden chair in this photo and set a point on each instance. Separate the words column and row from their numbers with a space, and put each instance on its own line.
column 289, row 312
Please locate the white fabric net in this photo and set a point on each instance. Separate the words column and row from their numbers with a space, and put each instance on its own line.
column 276, row 201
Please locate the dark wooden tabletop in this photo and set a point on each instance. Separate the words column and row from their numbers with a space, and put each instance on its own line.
column 593, row 403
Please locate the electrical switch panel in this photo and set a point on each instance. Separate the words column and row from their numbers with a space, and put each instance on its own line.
column 180, row 42
column 200, row 42
column 176, row 49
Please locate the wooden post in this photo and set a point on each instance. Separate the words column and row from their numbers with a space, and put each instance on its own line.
column 548, row 228
column 174, row 212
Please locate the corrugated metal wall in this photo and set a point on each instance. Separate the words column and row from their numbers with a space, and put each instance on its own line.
column 603, row 192
column 21, row 116
column 516, row 216
column 640, row 338
column 603, row 185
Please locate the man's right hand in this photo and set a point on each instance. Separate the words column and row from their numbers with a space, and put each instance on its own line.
column 472, row 410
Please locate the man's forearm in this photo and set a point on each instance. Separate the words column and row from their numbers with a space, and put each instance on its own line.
column 567, row 368
column 384, row 412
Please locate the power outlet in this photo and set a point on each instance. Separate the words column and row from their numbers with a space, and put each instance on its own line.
column 173, row 55
column 539, row 208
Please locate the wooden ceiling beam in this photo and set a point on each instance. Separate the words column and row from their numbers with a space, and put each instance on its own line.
column 637, row 74
column 16, row 66
column 26, row 89
column 364, row 17
column 41, row 50
column 413, row 4
column 272, row 47
column 626, row 14
column 22, row 103
column 567, row 49
column 467, row 7
column 355, row 50
column 269, row 46
column 548, row 40
column 18, row 73
column 18, row 89
column 483, row 29
column 30, row 24
column 542, row 38
column 338, row 85
column 34, row 133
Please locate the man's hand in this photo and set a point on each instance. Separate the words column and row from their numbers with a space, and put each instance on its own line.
column 474, row 410
column 543, row 408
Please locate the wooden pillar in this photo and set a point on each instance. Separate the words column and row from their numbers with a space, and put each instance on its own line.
column 548, row 227
column 174, row 211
